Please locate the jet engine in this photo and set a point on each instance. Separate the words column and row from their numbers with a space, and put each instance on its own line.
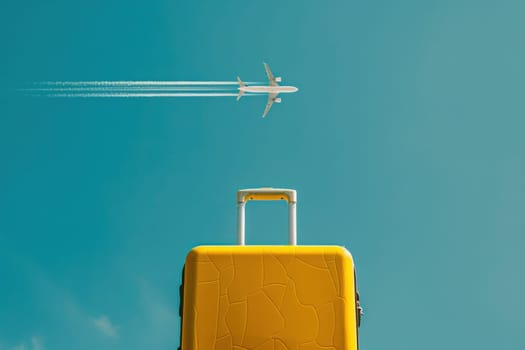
column 277, row 100
column 278, row 79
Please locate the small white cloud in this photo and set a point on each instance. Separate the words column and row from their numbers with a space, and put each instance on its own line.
column 104, row 325
column 36, row 343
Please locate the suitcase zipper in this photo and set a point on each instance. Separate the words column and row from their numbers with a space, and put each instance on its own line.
column 358, row 310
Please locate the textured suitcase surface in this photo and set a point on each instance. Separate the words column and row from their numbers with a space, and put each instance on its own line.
column 269, row 298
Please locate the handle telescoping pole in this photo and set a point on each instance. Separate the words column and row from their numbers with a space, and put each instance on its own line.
column 267, row 194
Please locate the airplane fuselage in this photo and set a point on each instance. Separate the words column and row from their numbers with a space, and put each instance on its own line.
column 269, row 89
column 273, row 89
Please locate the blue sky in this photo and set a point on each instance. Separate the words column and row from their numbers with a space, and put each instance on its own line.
column 405, row 143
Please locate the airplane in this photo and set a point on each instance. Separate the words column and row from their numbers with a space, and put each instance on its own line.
column 273, row 89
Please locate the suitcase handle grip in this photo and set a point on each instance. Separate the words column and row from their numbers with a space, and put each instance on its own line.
column 267, row 194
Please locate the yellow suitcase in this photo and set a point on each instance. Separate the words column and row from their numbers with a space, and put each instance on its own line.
column 269, row 297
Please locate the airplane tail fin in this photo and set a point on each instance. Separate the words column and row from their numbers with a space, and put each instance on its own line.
column 241, row 92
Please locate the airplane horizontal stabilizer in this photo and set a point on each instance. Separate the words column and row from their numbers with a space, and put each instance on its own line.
column 240, row 94
column 241, row 84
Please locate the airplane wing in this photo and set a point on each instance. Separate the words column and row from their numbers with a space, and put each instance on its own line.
column 271, row 99
column 270, row 75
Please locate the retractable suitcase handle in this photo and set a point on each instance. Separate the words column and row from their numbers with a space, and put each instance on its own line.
column 267, row 194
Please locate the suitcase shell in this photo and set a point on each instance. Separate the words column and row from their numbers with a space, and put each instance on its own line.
column 269, row 297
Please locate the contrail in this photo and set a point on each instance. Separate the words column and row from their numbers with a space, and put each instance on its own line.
column 128, row 95
column 132, row 88
column 135, row 83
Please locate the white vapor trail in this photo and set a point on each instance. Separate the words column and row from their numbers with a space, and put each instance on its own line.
column 133, row 88
column 137, row 83
column 132, row 94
